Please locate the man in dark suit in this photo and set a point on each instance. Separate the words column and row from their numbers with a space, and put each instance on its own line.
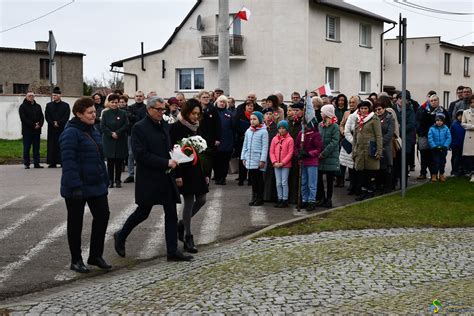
column 57, row 114
column 32, row 120
column 154, row 185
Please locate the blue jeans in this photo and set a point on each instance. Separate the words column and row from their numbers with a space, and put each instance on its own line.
column 28, row 140
column 309, row 180
column 131, row 160
column 281, row 177
column 439, row 161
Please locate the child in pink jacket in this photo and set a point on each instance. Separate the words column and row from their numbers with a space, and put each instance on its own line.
column 281, row 153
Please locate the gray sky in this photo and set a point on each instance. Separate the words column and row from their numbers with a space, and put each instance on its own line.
column 107, row 30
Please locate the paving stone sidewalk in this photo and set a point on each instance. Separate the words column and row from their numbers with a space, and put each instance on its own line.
column 395, row 271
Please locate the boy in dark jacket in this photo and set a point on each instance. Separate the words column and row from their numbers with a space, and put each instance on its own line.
column 457, row 141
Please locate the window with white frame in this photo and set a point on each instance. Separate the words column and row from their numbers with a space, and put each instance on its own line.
column 365, row 35
column 190, row 78
column 447, row 63
column 466, row 66
column 446, row 99
column 332, row 28
column 332, row 77
column 364, row 82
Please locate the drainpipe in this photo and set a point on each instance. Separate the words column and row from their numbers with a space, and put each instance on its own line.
column 126, row 73
column 381, row 54
column 143, row 59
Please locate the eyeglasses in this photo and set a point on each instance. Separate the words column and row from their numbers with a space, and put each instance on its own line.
column 157, row 109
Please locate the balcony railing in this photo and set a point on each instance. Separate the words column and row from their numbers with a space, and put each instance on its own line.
column 210, row 45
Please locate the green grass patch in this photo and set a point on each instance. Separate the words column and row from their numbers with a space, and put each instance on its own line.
column 12, row 150
column 442, row 205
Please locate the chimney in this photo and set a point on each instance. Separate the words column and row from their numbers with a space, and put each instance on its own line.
column 41, row 45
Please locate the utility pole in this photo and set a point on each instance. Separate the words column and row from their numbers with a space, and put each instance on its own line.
column 403, row 59
column 223, row 66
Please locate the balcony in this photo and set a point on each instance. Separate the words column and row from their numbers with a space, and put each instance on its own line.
column 210, row 47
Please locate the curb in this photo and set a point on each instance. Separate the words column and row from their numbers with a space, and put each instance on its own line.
column 305, row 217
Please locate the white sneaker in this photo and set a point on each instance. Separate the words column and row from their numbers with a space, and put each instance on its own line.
column 472, row 178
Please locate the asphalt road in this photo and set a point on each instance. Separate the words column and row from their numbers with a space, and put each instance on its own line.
column 34, row 252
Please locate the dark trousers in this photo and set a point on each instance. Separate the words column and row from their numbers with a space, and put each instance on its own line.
column 457, row 161
column 28, row 140
column 411, row 157
column 99, row 207
column 384, row 179
column 439, row 161
column 368, row 180
column 256, row 177
column 242, row 171
column 114, row 169
column 321, row 194
column 397, row 170
column 354, row 184
column 208, row 159
column 142, row 212
column 426, row 161
column 221, row 165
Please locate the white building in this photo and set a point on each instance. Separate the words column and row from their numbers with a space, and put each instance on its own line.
column 431, row 65
column 286, row 46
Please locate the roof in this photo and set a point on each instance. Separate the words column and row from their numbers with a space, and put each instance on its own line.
column 35, row 51
column 343, row 6
column 119, row 63
column 437, row 40
column 337, row 4
column 469, row 49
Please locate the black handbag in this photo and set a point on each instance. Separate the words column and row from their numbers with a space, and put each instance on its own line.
column 346, row 145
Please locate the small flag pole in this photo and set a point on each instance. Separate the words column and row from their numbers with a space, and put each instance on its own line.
column 235, row 17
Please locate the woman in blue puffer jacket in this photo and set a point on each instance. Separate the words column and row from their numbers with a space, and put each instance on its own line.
column 84, row 180
column 254, row 155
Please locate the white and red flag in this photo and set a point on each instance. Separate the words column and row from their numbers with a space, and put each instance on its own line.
column 325, row 90
column 244, row 14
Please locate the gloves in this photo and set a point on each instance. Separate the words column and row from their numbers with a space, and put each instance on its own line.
column 440, row 148
column 77, row 194
column 302, row 154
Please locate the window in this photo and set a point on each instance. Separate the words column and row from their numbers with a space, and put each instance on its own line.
column 447, row 62
column 332, row 77
column 235, row 24
column 190, row 79
column 364, row 82
column 20, row 88
column 446, row 99
column 466, row 66
column 44, row 68
column 332, row 28
column 365, row 35
column 1, row 88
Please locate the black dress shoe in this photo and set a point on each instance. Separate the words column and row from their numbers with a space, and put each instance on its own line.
column 38, row 166
column 258, row 202
column 118, row 184
column 129, row 179
column 189, row 245
column 111, row 185
column 179, row 256
column 79, row 266
column 27, row 166
column 51, row 166
column 119, row 245
column 99, row 262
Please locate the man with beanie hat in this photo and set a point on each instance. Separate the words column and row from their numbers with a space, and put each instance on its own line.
column 57, row 114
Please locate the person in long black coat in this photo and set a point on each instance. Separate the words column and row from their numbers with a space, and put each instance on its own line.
column 57, row 114
column 154, row 184
column 269, row 191
column 32, row 120
column 242, row 123
column 190, row 177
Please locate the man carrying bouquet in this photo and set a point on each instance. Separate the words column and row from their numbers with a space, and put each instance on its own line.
column 153, row 184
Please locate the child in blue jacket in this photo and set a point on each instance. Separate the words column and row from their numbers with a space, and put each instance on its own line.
column 254, row 155
column 439, row 139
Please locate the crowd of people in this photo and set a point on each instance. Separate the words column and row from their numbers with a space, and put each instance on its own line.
column 286, row 157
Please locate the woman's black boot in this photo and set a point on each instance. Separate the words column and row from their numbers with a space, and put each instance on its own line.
column 189, row 245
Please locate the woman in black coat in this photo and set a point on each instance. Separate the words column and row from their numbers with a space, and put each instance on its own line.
column 242, row 124
column 191, row 179
column 84, row 180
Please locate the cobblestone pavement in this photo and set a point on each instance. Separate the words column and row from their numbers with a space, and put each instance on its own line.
column 377, row 271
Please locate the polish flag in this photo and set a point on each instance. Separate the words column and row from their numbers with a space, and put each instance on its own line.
column 326, row 89
column 244, row 14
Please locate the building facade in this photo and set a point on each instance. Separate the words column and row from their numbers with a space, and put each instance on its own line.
column 28, row 69
column 285, row 46
column 431, row 65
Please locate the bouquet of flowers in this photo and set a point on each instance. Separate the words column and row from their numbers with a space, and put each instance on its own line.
column 187, row 149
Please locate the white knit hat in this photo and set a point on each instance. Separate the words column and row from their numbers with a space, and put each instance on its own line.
column 328, row 110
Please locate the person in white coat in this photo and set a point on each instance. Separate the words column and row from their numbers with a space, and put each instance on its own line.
column 467, row 122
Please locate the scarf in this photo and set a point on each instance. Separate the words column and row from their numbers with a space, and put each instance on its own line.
column 255, row 128
column 333, row 120
column 247, row 115
column 191, row 126
column 361, row 119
